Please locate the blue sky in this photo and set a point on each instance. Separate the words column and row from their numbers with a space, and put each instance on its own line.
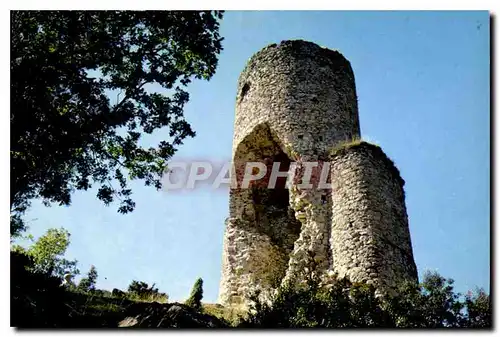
column 423, row 86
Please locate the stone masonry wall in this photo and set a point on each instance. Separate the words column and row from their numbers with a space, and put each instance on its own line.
column 370, row 238
column 304, row 92
column 297, row 99
column 251, row 262
column 295, row 102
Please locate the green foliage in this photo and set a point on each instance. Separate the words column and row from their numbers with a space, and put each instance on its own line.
column 138, row 287
column 342, row 146
column 194, row 300
column 66, row 133
column 141, row 291
column 17, row 225
column 48, row 251
column 101, row 292
column 478, row 305
column 343, row 305
column 118, row 293
column 87, row 284
column 37, row 299
column 232, row 316
column 432, row 304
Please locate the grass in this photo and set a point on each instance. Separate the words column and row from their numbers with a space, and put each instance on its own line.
column 98, row 306
column 88, row 303
column 93, row 310
column 160, row 298
column 344, row 146
column 103, row 310
column 230, row 315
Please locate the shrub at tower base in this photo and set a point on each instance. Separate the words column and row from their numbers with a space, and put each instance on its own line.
column 341, row 304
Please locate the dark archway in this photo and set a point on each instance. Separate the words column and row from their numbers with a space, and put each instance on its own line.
column 266, row 210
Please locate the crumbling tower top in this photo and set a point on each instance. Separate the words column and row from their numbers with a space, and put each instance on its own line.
column 304, row 93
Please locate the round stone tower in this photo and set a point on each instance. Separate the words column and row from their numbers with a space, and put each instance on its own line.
column 303, row 93
column 296, row 101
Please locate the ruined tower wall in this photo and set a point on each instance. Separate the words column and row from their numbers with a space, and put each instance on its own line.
column 304, row 92
column 297, row 100
column 370, row 238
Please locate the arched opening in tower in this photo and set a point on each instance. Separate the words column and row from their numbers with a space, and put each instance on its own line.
column 271, row 201
column 265, row 208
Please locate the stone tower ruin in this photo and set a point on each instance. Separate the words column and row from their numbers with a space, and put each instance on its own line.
column 296, row 102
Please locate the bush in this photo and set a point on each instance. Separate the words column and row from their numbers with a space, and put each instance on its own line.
column 143, row 292
column 37, row 298
column 478, row 306
column 47, row 253
column 118, row 293
column 87, row 284
column 194, row 300
column 432, row 304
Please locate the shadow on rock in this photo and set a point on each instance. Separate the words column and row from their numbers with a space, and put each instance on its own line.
column 168, row 315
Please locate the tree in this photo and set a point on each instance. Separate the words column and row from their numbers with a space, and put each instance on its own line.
column 88, row 283
column 138, row 287
column 194, row 299
column 142, row 291
column 67, row 133
column 431, row 304
column 478, row 305
column 48, row 251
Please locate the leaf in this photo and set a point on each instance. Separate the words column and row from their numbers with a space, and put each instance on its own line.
column 66, row 133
